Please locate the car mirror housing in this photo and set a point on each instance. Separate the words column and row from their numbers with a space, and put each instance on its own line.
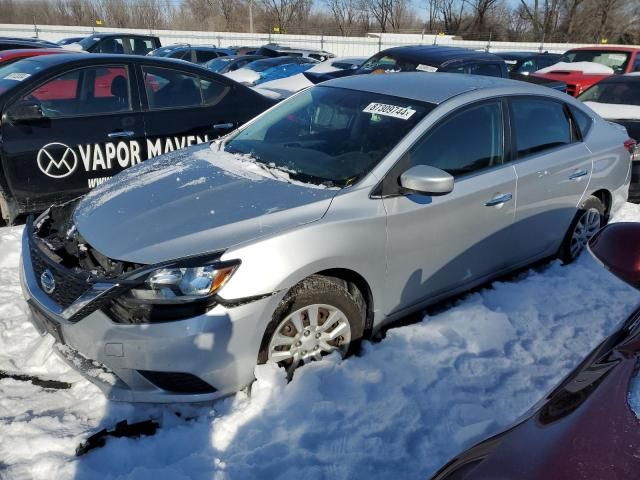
column 617, row 247
column 25, row 113
column 426, row 180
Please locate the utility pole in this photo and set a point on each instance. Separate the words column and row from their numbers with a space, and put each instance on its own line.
column 251, row 16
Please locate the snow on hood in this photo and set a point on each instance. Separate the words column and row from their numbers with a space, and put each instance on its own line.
column 191, row 202
column 243, row 75
column 76, row 47
column 584, row 67
column 614, row 111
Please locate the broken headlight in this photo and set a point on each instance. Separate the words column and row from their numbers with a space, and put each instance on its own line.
column 172, row 293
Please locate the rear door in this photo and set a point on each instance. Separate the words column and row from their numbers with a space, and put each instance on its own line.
column 183, row 108
column 553, row 167
column 93, row 128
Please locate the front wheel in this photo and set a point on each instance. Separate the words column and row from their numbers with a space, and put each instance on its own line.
column 318, row 317
column 588, row 220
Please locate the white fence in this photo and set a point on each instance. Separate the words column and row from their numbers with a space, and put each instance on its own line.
column 340, row 46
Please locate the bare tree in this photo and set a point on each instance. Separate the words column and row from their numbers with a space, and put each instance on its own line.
column 283, row 12
column 346, row 14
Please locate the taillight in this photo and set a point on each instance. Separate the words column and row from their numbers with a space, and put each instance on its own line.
column 632, row 147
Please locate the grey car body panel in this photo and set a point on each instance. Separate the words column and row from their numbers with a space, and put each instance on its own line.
column 411, row 250
column 209, row 208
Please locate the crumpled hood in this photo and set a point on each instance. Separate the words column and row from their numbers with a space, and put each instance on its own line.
column 190, row 202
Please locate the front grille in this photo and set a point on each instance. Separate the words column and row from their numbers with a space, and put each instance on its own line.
column 177, row 382
column 69, row 286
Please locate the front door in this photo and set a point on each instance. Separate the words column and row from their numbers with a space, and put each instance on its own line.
column 91, row 130
column 442, row 243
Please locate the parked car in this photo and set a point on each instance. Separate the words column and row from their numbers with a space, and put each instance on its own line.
column 191, row 53
column 253, row 72
column 582, row 67
column 12, row 43
column 70, row 40
column 428, row 58
column 617, row 98
column 230, row 63
column 528, row 62
column 71, row 121
column 275, row 50
column 10, row 56
column 129, row 43
column 584, row 429
column 343, row 208
column 244, row 50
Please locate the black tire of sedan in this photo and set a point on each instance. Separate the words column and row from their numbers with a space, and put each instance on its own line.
column 589, row 218
column 318, row 316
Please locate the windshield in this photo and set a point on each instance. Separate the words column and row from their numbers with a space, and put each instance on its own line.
column 88, row 42
column 621, row 93
column 218, row 64
column 13, row 73
column 387, row 63
column 329, row 136
column 613, row 59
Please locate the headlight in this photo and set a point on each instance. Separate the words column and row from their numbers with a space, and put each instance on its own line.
column 171, row 293
column 184, row 284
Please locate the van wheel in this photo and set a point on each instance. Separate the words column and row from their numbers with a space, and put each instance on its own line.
column 588, row 220
column 317, row 317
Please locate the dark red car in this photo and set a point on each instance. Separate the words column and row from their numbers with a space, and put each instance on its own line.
column 9, row 56
column 584, row 429
column 619, row 59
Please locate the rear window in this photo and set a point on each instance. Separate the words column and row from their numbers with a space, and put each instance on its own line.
column 621, row 93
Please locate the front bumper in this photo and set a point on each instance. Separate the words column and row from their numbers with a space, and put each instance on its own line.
column 220, row 347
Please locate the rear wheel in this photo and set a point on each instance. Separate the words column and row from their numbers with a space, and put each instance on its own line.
column 318, row 317
column 588, row 220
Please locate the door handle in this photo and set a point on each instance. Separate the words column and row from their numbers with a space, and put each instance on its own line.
column 122, row 134
column 222, row 126
column 579, row 174
column 500, row 199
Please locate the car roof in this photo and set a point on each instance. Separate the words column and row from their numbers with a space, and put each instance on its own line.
column 124, row 34
column 73, row 58
column 436, row 55
column 29, row 52
column 426, row 87
column 606, row 48
column 525, row 54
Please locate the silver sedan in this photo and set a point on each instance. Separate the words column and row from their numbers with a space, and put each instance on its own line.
column 345, row 207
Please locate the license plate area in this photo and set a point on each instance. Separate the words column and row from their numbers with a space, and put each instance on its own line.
column 47, row 325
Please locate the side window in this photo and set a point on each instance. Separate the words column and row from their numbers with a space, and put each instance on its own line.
column 544, row 62
column 182, row 54
column 539, row 125
column 205, row 55
column 488, row 69
column 87, row 91
column 636, row 63
column 111, row 45
column 582, row 119
column 467, row 141
column 168, row 88
column 142, row 46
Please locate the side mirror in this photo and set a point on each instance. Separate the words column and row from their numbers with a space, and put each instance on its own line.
column 25, row 113
column 426, row 180
column 617, row 247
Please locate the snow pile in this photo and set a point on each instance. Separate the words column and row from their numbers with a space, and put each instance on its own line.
column 284, row 87
column 584, row 67
column 615, row 111
column 244, row 76
column 399, row 410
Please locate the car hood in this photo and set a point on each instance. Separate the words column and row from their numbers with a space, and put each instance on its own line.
column 193, row 201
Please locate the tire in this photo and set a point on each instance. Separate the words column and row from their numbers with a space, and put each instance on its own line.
column 583, row 226
column 293, row 338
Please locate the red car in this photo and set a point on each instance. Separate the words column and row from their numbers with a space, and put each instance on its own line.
column 10, row 56
column 584, row 429
column 619, row 59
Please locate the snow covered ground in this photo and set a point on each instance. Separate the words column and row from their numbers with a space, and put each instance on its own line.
column 400, row 410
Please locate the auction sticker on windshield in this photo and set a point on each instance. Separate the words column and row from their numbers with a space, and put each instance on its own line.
column 390, row 110
column 17, row 76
